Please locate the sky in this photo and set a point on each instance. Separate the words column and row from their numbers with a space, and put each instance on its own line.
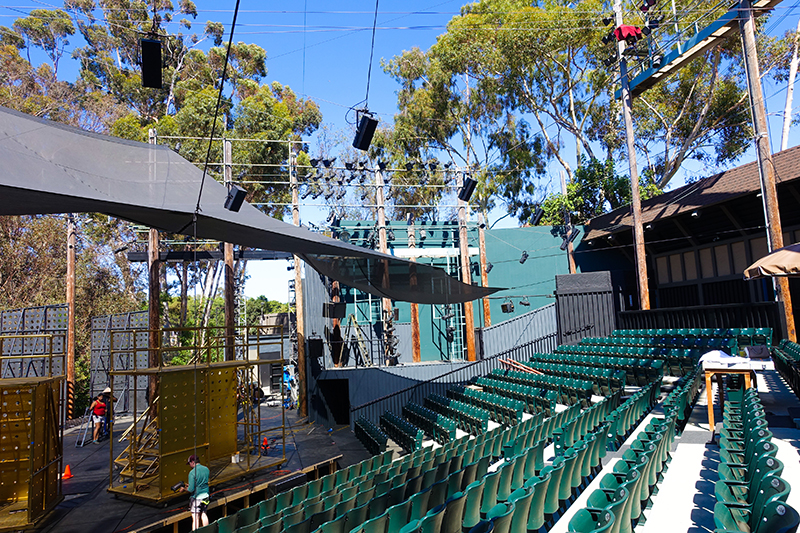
column 322, row 50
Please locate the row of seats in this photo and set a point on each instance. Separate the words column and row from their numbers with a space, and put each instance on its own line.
column 438, row 427
column 606, row 380
column 751, row 495
column 370, row 436
column 787, row 362
column 404, row 433
column 519, row 494
column 639, row 361
column 745, row 336
column 571, row 391
column 536, row 400
column 503, row 410
column 728, row 343
column 469, row 418
column 624, row 492
column 625, row 417
column 638, row 370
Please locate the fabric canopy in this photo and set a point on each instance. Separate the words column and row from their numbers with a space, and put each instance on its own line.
column 782, row 262
column 51, row 168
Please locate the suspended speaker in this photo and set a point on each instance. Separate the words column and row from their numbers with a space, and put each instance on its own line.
column 235, row 198
column 151, row 63
column 366, row 129
column 467, row 189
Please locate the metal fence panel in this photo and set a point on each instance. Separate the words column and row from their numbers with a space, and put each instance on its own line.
column 519, row 330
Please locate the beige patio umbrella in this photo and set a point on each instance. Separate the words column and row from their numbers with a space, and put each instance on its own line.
column 782, row 262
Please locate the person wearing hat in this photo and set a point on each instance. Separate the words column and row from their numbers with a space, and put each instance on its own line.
column 98, row 410
column 198, row 488
column 109, row 400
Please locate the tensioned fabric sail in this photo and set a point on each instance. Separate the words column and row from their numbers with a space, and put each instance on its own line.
column 51, row 168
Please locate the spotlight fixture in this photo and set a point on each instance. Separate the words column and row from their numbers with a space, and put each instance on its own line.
column 409, row 167
column 432, row 164
column 423, row 234
column 607, row 20
column 525, row 302
column 657, row 60
column 348, row 165
column 328, row 162
column 524, row 257
column 381, row 166
column 344, row 236
column 390, row 235
column 489, row 267
column 450, row 330
column 607, row 38
column 314, row 162
column 507, row 306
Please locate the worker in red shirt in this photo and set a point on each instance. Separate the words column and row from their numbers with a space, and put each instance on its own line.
column 98, row 409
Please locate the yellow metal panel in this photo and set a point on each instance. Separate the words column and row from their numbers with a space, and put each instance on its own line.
column 182, row 407
column 15, row 438
column 222, row 412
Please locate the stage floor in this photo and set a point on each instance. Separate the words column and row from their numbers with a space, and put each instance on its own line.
column 89, row 508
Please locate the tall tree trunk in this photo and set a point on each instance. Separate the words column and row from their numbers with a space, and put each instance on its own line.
column 787, row 111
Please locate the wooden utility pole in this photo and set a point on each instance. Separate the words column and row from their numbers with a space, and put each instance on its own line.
column 487, row 311
column 416, row 344
column 302, row 384
column 636, row 202
column 154, row 295
column 466, row 274
column 568, row 223
column 70, row 314
column 230, row 286
column 386, row 303
column 764, row 155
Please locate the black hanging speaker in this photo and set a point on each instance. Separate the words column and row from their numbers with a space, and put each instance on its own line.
column 366, row 129
column 467, row 189
column 235, row 198
column 151, row 63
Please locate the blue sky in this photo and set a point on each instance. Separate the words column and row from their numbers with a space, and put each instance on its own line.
column 321, row 50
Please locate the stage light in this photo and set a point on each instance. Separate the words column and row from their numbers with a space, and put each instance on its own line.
column 328, row 162
column 524, row 257
column 314, row 162
column 507, row 307
column 608, row 20
column 658, row 60
column 390, row 235
column 409, row 167
column 489, row 267
column 525, row 302
column 381, row 166
column 423, row 234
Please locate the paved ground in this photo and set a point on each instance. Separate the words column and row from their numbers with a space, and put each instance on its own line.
column 89, row 508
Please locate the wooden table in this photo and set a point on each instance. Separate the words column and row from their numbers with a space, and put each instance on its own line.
column 710, row 372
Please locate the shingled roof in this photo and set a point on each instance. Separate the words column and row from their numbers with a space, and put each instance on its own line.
column 715, row 189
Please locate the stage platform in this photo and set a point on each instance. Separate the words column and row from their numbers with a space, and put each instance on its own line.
column 89, row 508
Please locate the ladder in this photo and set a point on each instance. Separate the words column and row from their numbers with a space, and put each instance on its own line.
column 360, row 344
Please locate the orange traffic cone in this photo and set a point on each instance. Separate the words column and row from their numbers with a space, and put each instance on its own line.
column 67, row 473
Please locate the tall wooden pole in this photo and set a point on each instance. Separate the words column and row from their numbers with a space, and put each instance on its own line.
column 466, row 273
column 302, row 383
column 386, row 303
column 154, row 295
column 70, row 314
column 416, row 344
column 764, row 155
column 230, row 286
column 567, row 221
column 487, row 310
column 636, row 202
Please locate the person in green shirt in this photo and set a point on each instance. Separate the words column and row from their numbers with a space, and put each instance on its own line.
column 198, row 488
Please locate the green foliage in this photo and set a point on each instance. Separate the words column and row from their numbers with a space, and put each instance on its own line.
column 594, row 190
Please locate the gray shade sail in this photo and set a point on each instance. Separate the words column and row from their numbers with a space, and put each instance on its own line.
column 51, row 168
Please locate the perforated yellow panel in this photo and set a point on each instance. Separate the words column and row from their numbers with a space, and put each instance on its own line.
column 30, row 448
column 222, row 412
column 183, row 411
column 15, row 438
